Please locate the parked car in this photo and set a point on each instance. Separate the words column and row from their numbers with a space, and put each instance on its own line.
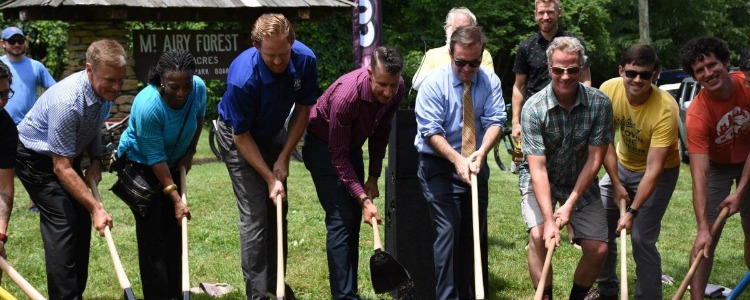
column 685, row 94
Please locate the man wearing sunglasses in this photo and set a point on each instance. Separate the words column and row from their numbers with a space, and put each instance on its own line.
column 29, row 74
column 567, row 128
column 718, row 135
column 643, row 169
column 460, row 99
column 436, row 57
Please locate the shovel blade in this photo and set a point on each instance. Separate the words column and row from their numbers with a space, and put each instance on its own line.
column 386, row 273
column 128, row 294
column 185, row 295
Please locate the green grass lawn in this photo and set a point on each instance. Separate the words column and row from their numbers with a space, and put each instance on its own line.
column 214, row 252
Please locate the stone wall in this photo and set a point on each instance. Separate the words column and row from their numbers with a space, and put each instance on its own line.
column 81, row 35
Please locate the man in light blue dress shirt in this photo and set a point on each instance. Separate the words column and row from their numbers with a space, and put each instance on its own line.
column 443, row 172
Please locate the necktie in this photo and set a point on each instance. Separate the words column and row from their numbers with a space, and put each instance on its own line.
column 468, row 133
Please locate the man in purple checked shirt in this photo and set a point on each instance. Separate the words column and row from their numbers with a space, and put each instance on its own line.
column 357, row 107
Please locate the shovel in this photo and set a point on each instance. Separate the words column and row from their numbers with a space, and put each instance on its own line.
column 699, row 257
column 20, row 281
column 5, row 295
column 478, row 278
column 122, row 278
column 547, row 263
column 280, row 285
column 623, row 256
column 386, row 273
column 185, row 266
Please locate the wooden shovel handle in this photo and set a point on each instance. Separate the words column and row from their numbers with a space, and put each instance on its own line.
column 20, row 281
column 547, row 263
column 478, row 277
column 184, row 223
column 699, row 256
column 122, row 278
column 279, row 250
column 376, row 233
column 623, row 256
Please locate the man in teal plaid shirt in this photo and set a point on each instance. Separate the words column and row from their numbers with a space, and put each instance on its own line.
column 567, row 128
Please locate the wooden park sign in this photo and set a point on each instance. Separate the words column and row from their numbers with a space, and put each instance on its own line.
column 213, row 50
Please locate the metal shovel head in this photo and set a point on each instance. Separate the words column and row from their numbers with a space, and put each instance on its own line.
column 128, row 294
column 386, row 273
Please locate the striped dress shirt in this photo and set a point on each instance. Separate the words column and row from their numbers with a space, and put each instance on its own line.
column 347, row 115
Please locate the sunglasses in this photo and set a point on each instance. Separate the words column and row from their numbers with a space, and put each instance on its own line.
column 560, row 70
column 7, row 94
column 462, row 63
column 644, row 75
column 15, row 41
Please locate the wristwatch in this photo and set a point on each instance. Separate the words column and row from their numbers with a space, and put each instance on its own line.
column 633, row 211
column 362, row 201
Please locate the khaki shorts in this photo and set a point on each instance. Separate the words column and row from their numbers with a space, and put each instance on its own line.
column 589, row 222
column 720, row 179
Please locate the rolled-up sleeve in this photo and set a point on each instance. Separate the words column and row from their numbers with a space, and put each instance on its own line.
column 494, row 107
column 430, row 110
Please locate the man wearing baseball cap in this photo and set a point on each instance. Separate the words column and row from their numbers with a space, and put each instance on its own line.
column 27, row 73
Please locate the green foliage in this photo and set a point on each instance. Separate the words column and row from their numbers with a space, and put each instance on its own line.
column 331, row 40
column 47, row 41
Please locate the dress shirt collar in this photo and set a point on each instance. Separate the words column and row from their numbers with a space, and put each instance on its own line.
column 365, row 91
column 88, row 91
column 457, row 82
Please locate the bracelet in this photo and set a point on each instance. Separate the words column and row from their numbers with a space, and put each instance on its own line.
column 3, row 238
column 632, row 211
column 362, row 201
column 169, row 189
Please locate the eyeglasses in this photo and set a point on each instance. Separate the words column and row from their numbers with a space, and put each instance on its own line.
column 561, row 70
column 462, row 63
column 6, row 94
column 15, row 41
column 644, row 75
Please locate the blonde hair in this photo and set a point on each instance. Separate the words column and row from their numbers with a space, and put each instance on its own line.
column 272, row 25
column 556, row 2
column 106, row 52
column 568, row 45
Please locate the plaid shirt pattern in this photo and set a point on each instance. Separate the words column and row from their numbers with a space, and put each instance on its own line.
column 564, row 137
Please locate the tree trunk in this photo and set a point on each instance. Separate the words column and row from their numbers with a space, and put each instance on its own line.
column 645, row 36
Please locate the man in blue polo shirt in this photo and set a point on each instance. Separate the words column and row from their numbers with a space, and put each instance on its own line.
column 263, row 84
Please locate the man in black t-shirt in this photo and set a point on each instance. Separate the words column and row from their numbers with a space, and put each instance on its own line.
column 8, row 144
column 530, row 65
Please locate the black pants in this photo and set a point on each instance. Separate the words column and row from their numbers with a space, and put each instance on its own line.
column 64, row 222
column 159, row 248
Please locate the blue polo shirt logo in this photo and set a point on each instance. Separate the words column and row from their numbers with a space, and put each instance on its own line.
column 297, row 84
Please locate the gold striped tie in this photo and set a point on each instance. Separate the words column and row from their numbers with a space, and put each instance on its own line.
column 468, row 133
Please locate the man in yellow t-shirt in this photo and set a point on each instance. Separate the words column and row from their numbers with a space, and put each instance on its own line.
column 642, row 169
column 437, row 57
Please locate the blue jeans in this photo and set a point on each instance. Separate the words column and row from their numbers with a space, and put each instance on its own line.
column 343, row 215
